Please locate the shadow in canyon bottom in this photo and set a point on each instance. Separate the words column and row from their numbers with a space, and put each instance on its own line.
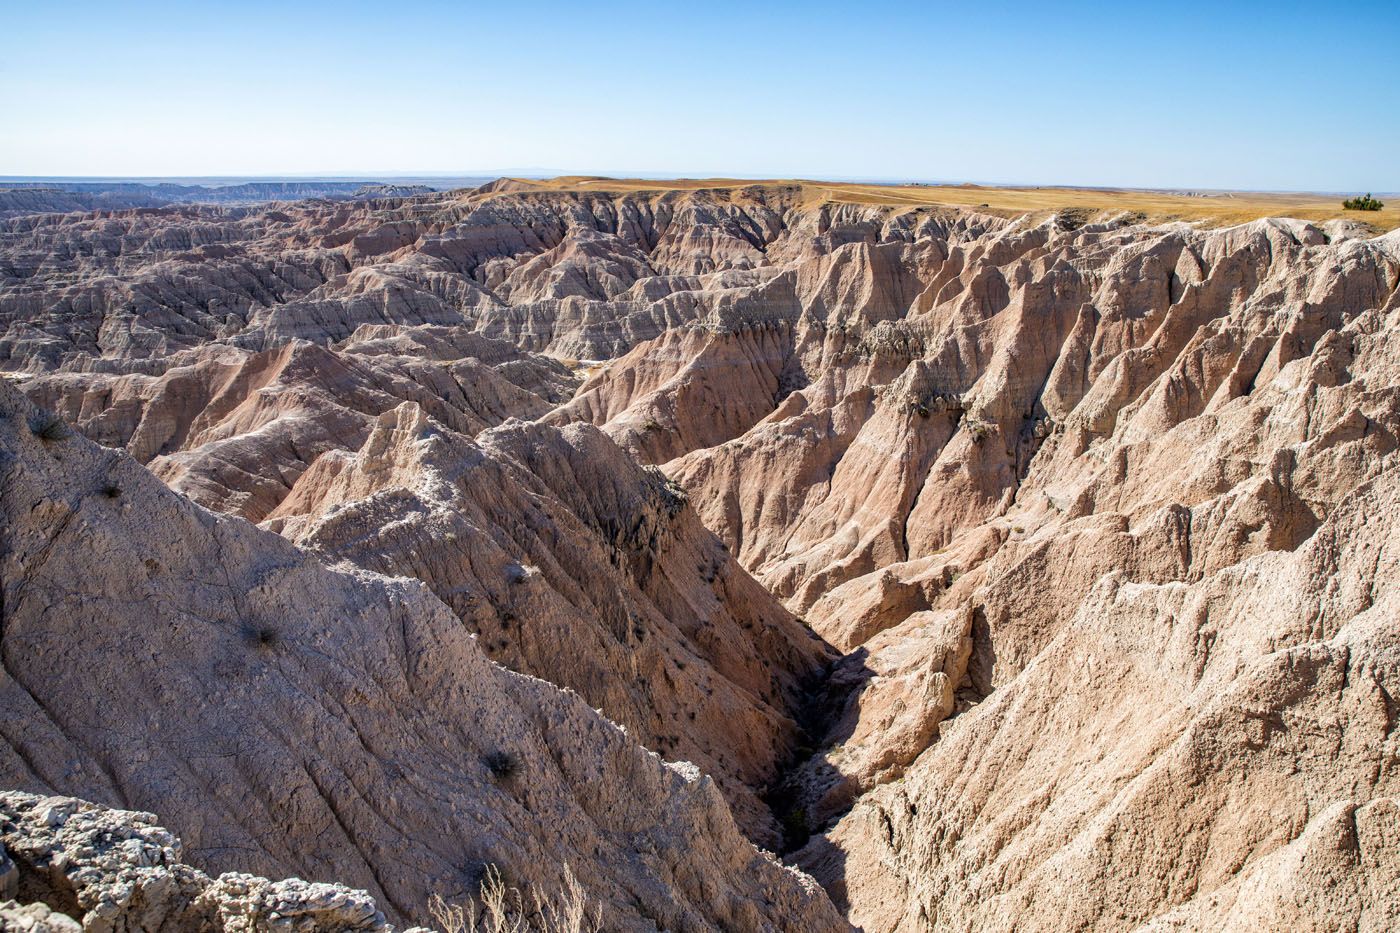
column 814, row 792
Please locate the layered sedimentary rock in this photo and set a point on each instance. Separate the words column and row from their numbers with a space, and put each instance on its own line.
column 234, row 429
column 1215, row 754
column 567, row 541
column 536, row 538
column 689, row 389
column 1098, row 512
column 573, row 563
column 327, row 723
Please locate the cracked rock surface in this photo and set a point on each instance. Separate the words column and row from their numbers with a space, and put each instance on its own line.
column 77, row 865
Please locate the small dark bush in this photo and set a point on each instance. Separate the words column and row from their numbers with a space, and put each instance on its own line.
column 112, row 491
column 1072, row 218
column 669, row 492
column 980, row 430
column 1363, row 203
column 49, row 428
column 261, row 635
column 520, row 573
column 796, row 829
column 504, row 765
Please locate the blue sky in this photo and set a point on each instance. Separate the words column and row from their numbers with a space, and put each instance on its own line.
column 1229, row 95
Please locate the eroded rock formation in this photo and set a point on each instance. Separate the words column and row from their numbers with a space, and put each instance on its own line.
column 1098, row 513
column 573, row 563
column 327, row 723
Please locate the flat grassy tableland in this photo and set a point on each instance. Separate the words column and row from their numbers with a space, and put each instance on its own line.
column 1212, row 208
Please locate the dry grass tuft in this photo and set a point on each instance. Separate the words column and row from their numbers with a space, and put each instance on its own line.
column 503, row 910
column 48, row 427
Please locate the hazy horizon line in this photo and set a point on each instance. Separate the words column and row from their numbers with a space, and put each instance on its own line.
column 545, row 174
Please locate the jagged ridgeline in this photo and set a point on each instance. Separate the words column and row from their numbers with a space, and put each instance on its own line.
column 997, row 570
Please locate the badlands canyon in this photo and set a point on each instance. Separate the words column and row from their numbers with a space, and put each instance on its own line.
column 766, row 557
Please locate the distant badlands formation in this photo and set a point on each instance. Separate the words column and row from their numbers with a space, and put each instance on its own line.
column 30, row 197
column 996, row 570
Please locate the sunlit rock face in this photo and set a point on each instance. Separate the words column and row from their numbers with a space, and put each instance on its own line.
column 1089, row 524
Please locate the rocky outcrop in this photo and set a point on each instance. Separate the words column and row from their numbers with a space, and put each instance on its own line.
column 1213, row 754
column 78, row 866
column 539, row 538
column 233, row 429
column 689, row 389
column 927, row 429
column 291, row 719
column 885, row 703
column 584, row 276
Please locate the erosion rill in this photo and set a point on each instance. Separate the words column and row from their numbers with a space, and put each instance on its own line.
column 998, row 571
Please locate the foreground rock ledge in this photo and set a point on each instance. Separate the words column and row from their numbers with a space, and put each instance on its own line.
column 70, row 865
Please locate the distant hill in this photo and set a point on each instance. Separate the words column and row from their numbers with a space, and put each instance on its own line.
column 26, row 197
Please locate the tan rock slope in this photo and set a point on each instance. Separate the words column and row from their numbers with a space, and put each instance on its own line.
column 1225, row 747
column 681, row 646
column 233, row 429
column 1097, row 510
column 553, row 536
column 572, row 563
column 332, row 724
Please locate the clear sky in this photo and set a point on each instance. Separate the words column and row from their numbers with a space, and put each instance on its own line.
column 1278, row 95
